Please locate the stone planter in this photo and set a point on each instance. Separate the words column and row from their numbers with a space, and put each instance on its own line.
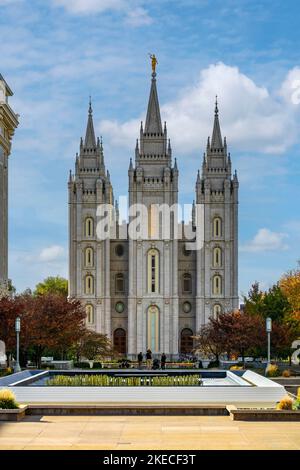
column 205, row 363
column 237, row 414
column 13, row 415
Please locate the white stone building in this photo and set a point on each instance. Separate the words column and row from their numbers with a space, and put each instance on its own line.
column 154, row 292
column 8, row 124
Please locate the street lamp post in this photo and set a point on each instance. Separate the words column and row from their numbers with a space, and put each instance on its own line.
column 268, row 330
column 17, row 367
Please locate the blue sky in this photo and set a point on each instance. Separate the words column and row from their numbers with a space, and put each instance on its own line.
column 55, row 53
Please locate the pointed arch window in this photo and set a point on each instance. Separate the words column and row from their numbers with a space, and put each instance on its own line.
column 217, row 285
column 89, row 227
column 187, row 283
column 119, row 283
column 217, row 227
column 89, row 285
column 153, row 271
column 89, row 257
column 89, row 310
column 217, row 310
column 217, row 257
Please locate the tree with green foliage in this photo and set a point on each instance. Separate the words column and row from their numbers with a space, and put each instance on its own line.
column 52, row 285
column 272, row 303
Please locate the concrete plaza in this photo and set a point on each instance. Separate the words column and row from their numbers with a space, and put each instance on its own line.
column 147, row 432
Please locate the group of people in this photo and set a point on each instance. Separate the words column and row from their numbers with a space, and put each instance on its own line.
column 152, row 364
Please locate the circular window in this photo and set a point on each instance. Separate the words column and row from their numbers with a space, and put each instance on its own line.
column 185, row 251
column 119, row 250
column 120, row 307
column 187, row 307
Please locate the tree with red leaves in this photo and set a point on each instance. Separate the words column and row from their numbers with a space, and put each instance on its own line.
column 243, row 334
column 48, row 322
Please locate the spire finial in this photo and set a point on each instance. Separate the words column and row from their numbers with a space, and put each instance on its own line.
column 216, row 105
column 153, row 64
column 90, row 105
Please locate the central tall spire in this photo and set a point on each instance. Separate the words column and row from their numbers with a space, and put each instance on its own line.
column 153, row 119
column 90, row 139
column 216, row 139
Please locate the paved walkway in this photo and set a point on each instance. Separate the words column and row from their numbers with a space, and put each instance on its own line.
column 144, row 432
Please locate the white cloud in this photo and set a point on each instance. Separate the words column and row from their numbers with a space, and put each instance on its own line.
column 138, row 17
column 90, row 6
column 251, row 118
column 51, row 253
column 266, row 240
column 135, row 14
column 290, row 88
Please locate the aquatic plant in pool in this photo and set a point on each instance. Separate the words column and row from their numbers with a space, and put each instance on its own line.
column 111, row 381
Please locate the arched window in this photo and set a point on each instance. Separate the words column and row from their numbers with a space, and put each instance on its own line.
column 186, row 341
column 217, row 309
column 89, row 257
column 153, row 221
column 120, row 341
column 187, row 283
column 217, row 227
column 217, row 285
column 89, row 284
column 217, row 257
column 89, row 227
column 153, row 328
column 119, row 283
column 153, row 271
column 89, row 310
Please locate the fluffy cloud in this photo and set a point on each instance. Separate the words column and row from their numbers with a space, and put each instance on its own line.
column 251, row 117
column 138, row 17
column 135, row 14
column 266, row 240
column 290, row 88
column 51, row 253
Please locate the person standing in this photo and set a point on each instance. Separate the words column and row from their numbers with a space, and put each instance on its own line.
column 140, row 360
column 163, row 361
column 149, row 359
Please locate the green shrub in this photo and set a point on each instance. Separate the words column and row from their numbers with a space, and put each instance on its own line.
column 213, row 364
column 47, row 366
column 6, row 371
column 97, row 365
column 296, row 405
column 7, row 400
column 82, row 365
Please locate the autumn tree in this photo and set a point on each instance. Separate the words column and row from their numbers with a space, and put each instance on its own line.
column 290, row 286
column 10, row 309
column 48, row 322
column 210, row 341
column 52, row 285
column 93, row 345
column 233, row 332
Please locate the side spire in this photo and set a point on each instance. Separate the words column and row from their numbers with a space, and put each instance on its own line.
column 216, row 139
column 153, row 119
column 90, row 139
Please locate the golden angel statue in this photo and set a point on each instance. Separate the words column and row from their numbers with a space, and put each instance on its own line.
column 153, row 62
